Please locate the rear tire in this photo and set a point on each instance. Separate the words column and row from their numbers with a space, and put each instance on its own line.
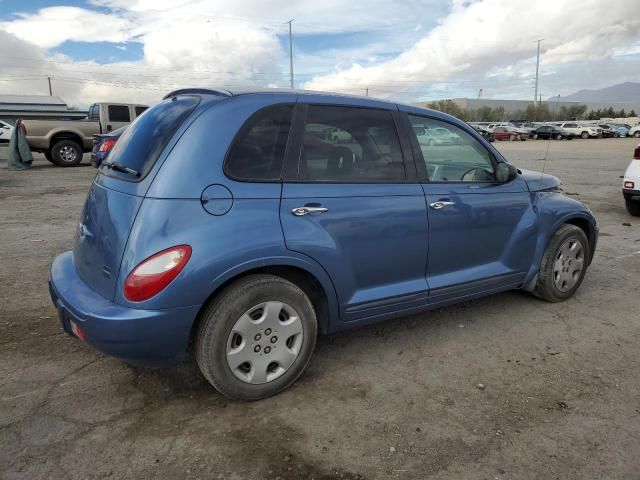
column 535, row 136
column 633, row 207
column 225, row 334
column 563, row 265
column 512, row 138
column 637, row 134
column 66, row 153
column 584, row 134
column 559, row 137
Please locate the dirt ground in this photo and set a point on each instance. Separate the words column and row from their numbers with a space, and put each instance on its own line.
column 560, row 393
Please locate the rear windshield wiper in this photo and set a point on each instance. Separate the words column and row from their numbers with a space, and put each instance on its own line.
column 121, row 168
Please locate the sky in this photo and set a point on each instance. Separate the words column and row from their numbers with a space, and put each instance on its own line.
column 409, row 50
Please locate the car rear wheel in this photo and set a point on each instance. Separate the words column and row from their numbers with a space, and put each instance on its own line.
column 584, row 134
column 512, row 138
column 535, row 136
column 559, row 136
column 66, row 153
column 637, row 134
column 633, row 207
column 563, row 265
column 256, row 338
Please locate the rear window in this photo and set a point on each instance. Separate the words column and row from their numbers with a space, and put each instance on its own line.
column 119, row 113
column 144, row 140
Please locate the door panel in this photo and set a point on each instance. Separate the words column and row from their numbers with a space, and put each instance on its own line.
column 372, row 240
column 482, row 233
column 487, row 232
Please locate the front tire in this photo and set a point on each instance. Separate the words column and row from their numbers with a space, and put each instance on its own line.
column 66, row 153
column 633, row 207
column 47, row 155
column 512, row 138
column 535, row 136
column 559, row 136
column 637, row 134
column 563, row 265
column 256, row 338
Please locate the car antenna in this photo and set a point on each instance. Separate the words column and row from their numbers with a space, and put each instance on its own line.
column 546, row 154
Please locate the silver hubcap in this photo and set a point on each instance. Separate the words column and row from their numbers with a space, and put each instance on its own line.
column 568, row 265
column 264, row 342
column 67, row 154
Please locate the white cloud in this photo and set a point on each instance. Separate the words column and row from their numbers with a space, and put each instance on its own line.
column 446, row 47
column 489, row 34
column 52, row 26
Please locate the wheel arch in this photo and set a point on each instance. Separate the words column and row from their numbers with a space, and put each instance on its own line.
column 581, row 219
column 309, row 277
column 66, row 135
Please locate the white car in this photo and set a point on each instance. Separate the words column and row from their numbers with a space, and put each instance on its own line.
column 584, row 131
column 631, row 185
column 635, row 132
column 6, row 130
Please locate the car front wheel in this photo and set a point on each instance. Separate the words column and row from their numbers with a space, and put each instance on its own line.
column 256, row 338
column 637, row 134
column 633, row 207
column 563, row 265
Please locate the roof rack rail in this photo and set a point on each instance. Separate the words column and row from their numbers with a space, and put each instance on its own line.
column 204, row 91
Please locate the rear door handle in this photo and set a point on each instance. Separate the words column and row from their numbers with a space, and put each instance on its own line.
column 300, row 211
column 441, row 204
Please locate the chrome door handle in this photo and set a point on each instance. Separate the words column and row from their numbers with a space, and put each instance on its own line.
column 300, row 211
column 441, row 204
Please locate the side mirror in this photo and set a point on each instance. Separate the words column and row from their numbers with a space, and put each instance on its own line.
column 505, row 172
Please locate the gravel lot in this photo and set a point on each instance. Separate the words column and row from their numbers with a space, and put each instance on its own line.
column 560, row 393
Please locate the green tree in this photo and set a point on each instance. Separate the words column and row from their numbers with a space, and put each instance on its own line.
column 633, row 113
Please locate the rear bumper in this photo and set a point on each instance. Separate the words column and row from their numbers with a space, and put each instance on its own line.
column 144, row 337
column 631, row 194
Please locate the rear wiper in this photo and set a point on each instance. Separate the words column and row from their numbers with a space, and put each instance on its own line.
column 121, row 168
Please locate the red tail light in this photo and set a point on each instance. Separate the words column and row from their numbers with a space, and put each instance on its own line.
column 156, row 272
column 636, row 153
column 107, row 144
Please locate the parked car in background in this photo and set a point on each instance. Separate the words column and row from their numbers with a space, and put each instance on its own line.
column 635, row 131
column 546, row 132
column 485, row 132
column 202, row 231
column 103, row 144
column 631, row 184
column 6, row 130
column 583, row 131
column 64, row 141
column 509, row 133
column 611, row 130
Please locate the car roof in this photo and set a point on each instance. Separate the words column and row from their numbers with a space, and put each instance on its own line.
column 349, row 99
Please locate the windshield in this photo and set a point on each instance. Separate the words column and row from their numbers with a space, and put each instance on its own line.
column 144, row 140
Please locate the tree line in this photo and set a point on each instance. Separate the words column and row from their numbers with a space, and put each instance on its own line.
column 533, row 113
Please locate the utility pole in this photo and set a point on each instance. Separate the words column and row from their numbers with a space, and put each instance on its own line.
column 366, row 93
column 290, row 54
column 535, row 96
column 50, row 91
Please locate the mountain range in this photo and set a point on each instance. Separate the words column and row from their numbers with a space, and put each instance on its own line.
column 623, row 92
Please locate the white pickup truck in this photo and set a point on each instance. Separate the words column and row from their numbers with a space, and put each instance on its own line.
column 579, row 130
column 64, row 141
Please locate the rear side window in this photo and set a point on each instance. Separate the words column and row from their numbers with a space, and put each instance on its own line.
column 350, row 145
column 140, row 110
column 94, row 112
column 119, row 113
column 257, row 154
column 144, row 140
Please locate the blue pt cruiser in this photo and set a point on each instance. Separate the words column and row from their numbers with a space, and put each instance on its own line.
column 239, row 225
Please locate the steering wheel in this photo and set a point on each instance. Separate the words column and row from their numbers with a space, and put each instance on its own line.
column 484, row 175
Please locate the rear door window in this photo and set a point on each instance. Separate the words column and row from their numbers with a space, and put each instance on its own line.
column 144, row 140
column 119, row 113
column 140, row 110
column 350, row 145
